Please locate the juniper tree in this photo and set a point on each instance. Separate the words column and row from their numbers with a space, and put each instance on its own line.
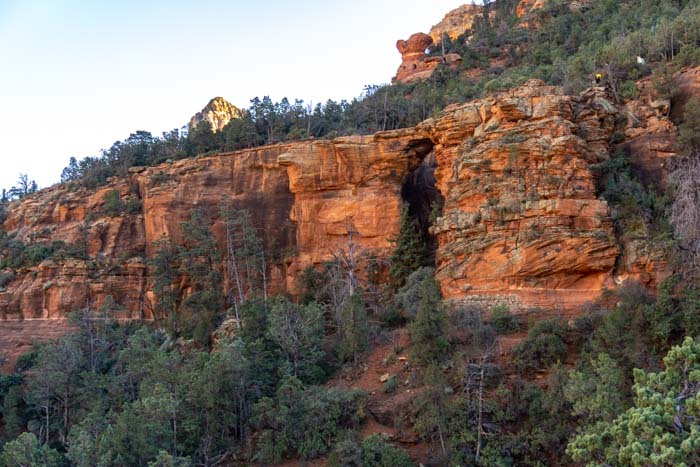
column 165, row 271
column 663, row 426
column 354, row 333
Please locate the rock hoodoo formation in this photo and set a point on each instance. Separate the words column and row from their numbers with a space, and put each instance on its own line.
column 218, row 112
column 415, row 64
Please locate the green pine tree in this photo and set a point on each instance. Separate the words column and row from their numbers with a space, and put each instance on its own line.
column 411, row 251
column 353, row 340
column 428, row 329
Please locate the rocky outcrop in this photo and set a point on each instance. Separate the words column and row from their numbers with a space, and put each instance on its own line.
column 687, row 83
column 650, row 137
column 115, row 247
column 304, row 197
column 650, row 141
column 456, row 22
column 348, row 185
column 527, row 10
column 521, row 223
column 415, row 64
column 218, row 112
column 526, row 7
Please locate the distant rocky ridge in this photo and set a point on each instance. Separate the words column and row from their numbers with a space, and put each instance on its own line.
column 456, row 22
column 218, row 112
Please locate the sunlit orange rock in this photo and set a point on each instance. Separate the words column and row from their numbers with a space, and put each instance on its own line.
column 527, row 6
column 218, row 113
column 348, row 185
column 456, row 22
column 413, row 65
column 522, row 223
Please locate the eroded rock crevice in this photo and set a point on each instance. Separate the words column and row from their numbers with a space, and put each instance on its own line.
column 422, row 197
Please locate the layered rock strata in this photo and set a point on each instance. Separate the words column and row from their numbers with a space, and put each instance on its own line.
column 304, row 198
column 415, row 64
column 521, row 222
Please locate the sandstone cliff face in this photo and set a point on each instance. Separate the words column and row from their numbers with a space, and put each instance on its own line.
column 651, row 143
column 304, row 197
column 114, row 244
column 650, row 137
column 218, row 112
column 350, row 184
column 521, row 223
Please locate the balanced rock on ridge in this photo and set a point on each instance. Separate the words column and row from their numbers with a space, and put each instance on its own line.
column 415, row 65
column 412, row 51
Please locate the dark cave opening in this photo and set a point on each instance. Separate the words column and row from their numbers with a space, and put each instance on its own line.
column 421, row 196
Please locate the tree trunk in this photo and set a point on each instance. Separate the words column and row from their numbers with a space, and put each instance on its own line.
column 46, row 440
column 481, row 408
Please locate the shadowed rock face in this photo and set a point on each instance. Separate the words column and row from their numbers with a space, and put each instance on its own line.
column 521, row 221
column 303, row 197
column 348, row 184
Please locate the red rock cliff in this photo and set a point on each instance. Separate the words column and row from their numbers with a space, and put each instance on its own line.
column 521, row 223
column 303, row 196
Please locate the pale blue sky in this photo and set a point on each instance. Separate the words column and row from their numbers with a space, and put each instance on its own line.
column 77, row 75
